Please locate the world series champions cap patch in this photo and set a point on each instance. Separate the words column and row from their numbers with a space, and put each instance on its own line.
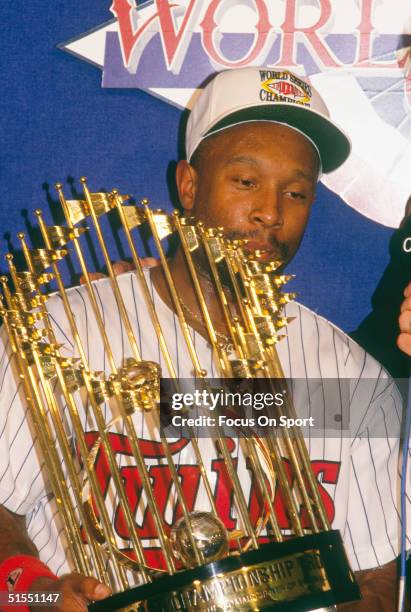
column 251, row 94
column 284, row 87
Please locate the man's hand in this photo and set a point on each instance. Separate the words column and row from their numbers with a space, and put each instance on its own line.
column 404, row 339
column 76, row 592
column 378, row 588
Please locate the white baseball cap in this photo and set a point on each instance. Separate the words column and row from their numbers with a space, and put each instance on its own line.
column 265, row 94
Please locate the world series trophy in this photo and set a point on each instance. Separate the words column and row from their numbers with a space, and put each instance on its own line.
column 202, row 565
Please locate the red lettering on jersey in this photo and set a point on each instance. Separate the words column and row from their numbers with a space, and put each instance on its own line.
column 257, row 504
column 280, row 506
column 121, row 445
column 150, row 449
column 326, row 473
column 224, row 493
column 162, row 488
column 190, row 476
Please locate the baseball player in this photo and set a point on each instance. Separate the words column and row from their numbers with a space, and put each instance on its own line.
column 256, row 142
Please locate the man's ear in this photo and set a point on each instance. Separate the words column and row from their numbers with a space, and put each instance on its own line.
column 186, row 179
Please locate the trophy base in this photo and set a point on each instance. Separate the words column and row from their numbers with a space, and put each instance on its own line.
column 298, row 575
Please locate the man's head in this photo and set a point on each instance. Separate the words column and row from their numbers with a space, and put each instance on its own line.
column 256, row 142
column 257, row 181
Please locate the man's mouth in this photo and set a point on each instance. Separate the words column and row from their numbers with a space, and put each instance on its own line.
column 259, row 246
column 267, row 251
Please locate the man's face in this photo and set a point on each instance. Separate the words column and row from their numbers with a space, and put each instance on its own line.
column 257, row 181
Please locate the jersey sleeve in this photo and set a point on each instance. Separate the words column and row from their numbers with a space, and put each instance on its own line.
column 372, row 529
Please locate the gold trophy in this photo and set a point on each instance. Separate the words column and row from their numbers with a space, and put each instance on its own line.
column 204, row 566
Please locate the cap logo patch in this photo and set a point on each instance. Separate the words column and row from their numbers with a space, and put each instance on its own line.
column 284, row 87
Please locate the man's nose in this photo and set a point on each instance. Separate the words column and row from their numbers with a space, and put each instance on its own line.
column 267, row 210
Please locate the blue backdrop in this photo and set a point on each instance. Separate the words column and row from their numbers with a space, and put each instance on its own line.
column 59, row 124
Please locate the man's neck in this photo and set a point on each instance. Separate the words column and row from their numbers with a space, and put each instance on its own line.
column 185, row 290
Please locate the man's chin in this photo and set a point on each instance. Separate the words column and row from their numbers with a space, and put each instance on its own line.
column 275, row 256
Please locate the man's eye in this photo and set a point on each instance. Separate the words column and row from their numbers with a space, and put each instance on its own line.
column 245, row 183
column 295, row 195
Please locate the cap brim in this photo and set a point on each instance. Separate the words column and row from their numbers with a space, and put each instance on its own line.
column 333, row 145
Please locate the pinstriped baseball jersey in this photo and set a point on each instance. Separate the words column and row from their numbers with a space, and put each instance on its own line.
column 357, row 472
